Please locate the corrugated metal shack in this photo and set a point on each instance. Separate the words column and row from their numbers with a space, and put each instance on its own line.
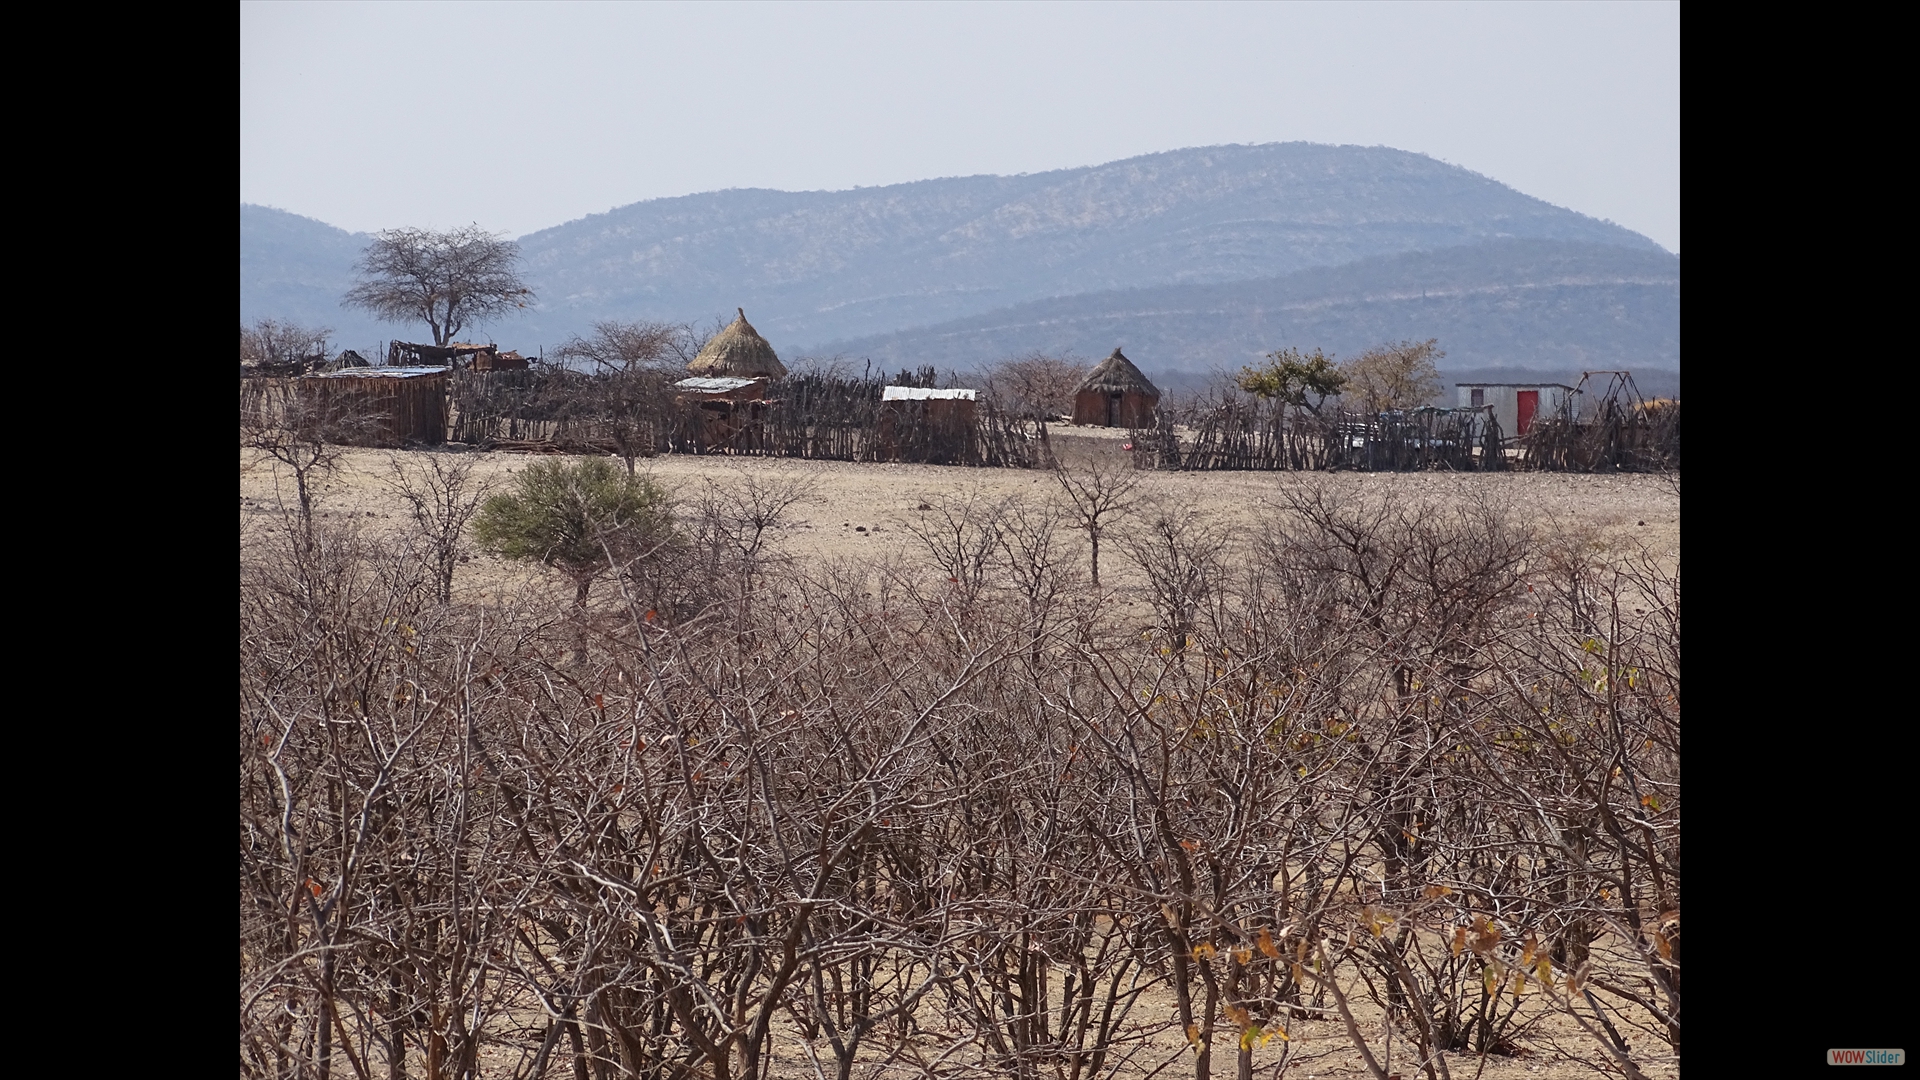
column 381, row 406
column 1515, row 405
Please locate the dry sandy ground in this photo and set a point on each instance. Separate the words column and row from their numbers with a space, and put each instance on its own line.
column 1316, row 1050
column 1622, row 511
column 1319, row 1051
column 861, row 511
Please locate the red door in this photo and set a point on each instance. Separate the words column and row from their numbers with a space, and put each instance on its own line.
column 1529, row 404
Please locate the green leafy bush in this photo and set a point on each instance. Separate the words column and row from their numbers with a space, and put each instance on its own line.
column 579, row 517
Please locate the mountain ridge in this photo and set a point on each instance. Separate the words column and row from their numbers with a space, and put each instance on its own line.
column 825, row 268
column 949, row 247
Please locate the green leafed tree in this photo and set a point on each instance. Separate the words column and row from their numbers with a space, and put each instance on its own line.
column 580, row 518
column 1296, row 378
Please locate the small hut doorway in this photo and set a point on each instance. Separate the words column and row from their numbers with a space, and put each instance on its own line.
column 1113, row 409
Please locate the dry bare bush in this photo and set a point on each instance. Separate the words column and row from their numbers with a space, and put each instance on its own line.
column 1413, row 776
column 297, row 431
column 630, row 409
column 278, row 342
column 442, row 497
column 1036, row 385
column 1399, row 375
column 962, row 533
column 1182, row 558
column 1097, row 494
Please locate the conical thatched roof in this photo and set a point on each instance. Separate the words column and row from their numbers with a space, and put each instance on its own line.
column 738, row 352
column 1115, row 375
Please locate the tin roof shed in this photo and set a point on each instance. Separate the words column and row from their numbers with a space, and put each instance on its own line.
column 381, row 373
column 924, row 393
column 717, row 385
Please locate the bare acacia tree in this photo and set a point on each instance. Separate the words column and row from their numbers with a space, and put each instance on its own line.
column 449, row 280
column 628, row 400
column 626, row 346
column 1036, row 384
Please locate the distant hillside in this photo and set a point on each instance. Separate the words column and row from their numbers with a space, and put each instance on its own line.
column 817, row 267
column 820, row 266
column 1537, row 304
column 296, row 268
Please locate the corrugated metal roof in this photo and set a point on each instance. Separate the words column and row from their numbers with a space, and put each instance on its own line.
column 922, row 393
column 380, row 373
column 715, row 384
column 1518, row 385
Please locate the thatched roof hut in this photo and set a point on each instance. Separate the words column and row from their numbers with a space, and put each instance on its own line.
column 1115, row 394
column 738, row 352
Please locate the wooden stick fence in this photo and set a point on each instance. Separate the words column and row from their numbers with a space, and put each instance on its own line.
column 1242, row 432
column 811, row 416
column 372, row 411
column 840, row 419
column 1616, row 430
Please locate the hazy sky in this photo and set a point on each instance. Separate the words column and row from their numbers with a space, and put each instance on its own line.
column 523, row 116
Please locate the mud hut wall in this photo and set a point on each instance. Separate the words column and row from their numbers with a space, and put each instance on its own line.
column 1099, row 408
column 1136, row 409
column 1090, row 408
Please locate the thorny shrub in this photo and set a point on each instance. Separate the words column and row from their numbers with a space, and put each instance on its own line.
column 983, row 825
